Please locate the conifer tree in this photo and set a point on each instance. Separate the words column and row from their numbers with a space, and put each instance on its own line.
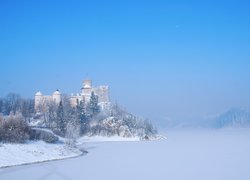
column 93, row 108
column 82, row 116
column 61, row 124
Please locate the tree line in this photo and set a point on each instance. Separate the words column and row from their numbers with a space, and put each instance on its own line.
column 63, row 119
column 13, row 104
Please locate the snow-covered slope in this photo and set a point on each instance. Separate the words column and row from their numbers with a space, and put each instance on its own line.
column 34, row 151
column 39, row 151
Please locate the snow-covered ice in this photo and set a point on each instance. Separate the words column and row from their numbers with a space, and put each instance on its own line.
column 86, row 139
column 184, row 155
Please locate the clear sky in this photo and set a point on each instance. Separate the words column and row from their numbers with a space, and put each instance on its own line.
column 168, row 59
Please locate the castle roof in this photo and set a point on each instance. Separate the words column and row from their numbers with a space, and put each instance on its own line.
column 57, row 92
column 39, row 93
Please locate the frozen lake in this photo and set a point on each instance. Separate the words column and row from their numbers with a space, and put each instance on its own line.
column 185, row 155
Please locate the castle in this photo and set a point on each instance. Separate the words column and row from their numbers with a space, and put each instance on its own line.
column 101, row 91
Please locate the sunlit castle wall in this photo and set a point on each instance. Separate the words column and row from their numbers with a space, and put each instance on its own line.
column 38, row 100
column 41, row 101
column 57, row 97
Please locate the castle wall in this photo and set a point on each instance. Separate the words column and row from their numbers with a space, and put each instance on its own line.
column 75, row 100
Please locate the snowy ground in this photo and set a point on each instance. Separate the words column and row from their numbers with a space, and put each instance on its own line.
column 185, row 155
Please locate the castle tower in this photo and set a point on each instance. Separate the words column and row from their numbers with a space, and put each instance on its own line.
column 57, row 97
column 87, row 84
column 87, row 89
column 38, row 100
column 103, row 93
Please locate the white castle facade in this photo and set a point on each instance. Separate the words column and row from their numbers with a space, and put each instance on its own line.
column 84, row 96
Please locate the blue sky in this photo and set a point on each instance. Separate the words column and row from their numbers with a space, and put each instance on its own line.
column 162, row 59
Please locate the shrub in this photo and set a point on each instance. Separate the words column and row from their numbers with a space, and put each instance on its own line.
column 14, row 129
column 38, row 134
column 58, row 132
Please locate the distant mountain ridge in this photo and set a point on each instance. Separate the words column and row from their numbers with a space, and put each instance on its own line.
column 235, row 117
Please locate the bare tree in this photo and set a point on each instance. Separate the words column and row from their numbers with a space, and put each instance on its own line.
column 27, row 108
column 51, row 115
column 1, row 105
column 12, row 103
column 73, row 131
